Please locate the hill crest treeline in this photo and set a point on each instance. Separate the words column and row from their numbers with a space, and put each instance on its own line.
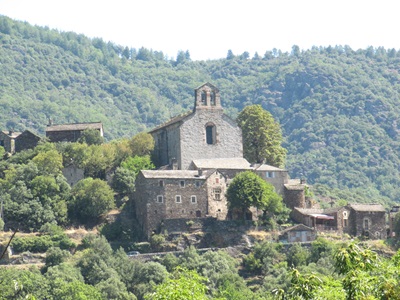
column 338, row 107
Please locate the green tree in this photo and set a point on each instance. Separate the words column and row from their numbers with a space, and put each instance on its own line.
column 142, row 144
column 49, row 162
column 137, row 163
column 184, row 285
column 92, row 199
column 262, row 136
column 248, row 189
column 91, row 137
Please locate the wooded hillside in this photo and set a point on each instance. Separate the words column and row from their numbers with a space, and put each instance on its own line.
column 338, row 107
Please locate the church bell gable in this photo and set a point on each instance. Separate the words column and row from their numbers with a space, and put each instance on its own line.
column 207, row 97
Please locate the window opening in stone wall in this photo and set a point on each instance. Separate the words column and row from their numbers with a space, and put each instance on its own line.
column 212, row 98
column 366, row 224
column 198, row 183
column 270, row 174
column 182, row 183
column 210, row 134
column 217, row 194
column 178, row 199
column 160, row 199
column 193, row 199
column 161, row 183
column 216, row 180
column 198, row 213
column 345, row 223
column 203, row 98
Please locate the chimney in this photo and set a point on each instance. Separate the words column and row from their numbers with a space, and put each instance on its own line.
column 50, row 122
column 10, row 132
column 200, row 172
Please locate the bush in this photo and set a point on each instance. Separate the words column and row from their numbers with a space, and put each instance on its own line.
column 41, row 243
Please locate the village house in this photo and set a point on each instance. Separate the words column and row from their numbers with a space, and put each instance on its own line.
column 177, row 194
column 368, row 220
column 16, row 141
column 70, row 132
column 298, row 234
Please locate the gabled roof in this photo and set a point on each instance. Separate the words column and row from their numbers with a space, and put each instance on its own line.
column 172, row 121
column 14, row 134
column 28, row 132
column 222, row 163
column 265, row 167
column 299, row 227
column 207, row 84
column 368, row 207
column 74, row 126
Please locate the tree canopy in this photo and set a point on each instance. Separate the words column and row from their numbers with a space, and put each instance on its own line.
column 262, row 136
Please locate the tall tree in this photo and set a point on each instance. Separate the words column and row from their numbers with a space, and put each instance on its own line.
column 262, row 136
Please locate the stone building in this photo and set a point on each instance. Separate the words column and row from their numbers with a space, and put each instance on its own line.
column 73, row 173
column 70, row 132
column 298, row 234
column 17, row 141
column 26, row 140
column 177, row 194
column 355, row 219
column 7, row 140
column 204, row 133
column 367, row 220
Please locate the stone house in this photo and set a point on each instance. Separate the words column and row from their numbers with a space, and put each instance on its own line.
column 204, row 133
column 298, row 234
column 177, row 194
column 73, row 173
column 367, row 220
column 392, row 215
column 26, row 140
column 355, row 219
column 70, row 132
column 17, row 141
column 7, row 140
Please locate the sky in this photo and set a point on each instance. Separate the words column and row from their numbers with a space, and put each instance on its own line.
column 209, row 28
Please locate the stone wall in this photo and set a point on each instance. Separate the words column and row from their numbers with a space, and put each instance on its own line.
column 193, row 137
column 26, row 140
column 294, row 197
column 376, row 224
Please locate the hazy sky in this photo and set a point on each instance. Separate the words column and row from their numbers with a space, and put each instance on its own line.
column 209, row 28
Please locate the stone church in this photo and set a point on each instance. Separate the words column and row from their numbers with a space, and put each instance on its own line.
column 204, row 133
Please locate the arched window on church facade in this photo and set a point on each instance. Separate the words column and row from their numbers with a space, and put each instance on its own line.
column 211, row 134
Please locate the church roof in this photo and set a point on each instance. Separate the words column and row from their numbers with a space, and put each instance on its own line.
column 223, row 163
column 172, row 121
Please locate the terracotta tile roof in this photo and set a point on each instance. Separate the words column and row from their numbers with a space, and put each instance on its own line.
column 75, row 126
column 223, row 163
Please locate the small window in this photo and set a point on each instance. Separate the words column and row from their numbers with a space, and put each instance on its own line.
column 345, row 223
column 210, row 134
column 198, row 183
column 161, row 183
column 270, row 174
column 193, row 199
column 366, row 224
column 178, row 199
column 217, row 194
column 203, row 98
column 216, row 180
column 182, row 183
column 160, row 199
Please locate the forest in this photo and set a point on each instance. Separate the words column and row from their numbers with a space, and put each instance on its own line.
column 337, row 108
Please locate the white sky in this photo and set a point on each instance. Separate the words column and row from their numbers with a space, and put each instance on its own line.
column 209, row 28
